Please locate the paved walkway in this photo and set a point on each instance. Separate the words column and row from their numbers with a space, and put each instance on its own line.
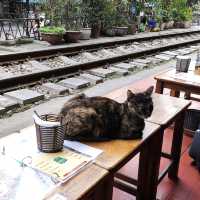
column 42, row 45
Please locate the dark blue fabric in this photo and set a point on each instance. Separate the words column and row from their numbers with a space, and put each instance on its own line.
column 195, row 148
column 152, row 23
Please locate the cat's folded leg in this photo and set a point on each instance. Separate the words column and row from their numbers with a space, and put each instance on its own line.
column 88, row 138
column 132, row 135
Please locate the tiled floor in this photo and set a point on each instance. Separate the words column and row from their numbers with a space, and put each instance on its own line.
column 188, row 186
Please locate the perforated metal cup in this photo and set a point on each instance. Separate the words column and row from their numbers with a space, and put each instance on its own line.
column 183, row 63
column 50, row 139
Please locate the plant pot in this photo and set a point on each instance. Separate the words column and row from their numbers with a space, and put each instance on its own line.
column 121, row 31
column 178, row 25
column 132, row 28
column 52, row 38
column 167, row 25
column 72, row 36
column 171, row 24
column 109, row 32
column 85, row 33
column 96, row 30
column 187, row 24
column 162, row 26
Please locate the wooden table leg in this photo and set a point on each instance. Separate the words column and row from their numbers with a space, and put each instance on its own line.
column 176, row 146
column 175, row 93
column 149, row 165
column 159, row 87
column 104, row 191
column 187, row 95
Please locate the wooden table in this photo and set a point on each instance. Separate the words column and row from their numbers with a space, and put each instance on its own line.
column 117, row 153
column 88, row 184
column 167, row 80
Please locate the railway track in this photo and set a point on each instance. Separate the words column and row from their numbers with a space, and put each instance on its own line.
column 70, row 51
column 120, row 59
column 25, row 75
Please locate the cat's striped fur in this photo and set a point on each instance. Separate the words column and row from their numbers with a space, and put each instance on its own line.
column 101, row 118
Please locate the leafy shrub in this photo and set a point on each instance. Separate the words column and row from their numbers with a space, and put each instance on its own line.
column 181, row 11
column 52, row 29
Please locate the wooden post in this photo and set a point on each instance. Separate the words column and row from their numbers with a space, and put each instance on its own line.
column 159, row 87
column 149, row 167
column 175, row 93
column 176, row 146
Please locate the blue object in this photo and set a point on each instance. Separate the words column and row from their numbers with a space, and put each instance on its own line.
column 152, row 23
column 194, row 151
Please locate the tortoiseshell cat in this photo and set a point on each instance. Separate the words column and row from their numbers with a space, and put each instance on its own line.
column 100, row 118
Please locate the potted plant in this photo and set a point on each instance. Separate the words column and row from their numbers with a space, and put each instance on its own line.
column 170, row 23
column 158, row 15
column 176, row 18
column 160, row 23
column 85, row 29
column 166, row 18
column 72, row 16
column 181, row 13
column 94, row 12
column 109, row 20
column 52, row 34
column 121, row 18
column 186, row 17
column 132, row 20
column 85, row 33
column 73, row 32
column 196, row 13
column 163, row 14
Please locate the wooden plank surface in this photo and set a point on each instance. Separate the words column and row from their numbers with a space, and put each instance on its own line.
column 82, row 184
column 76, row 188
column 115, row 151
column 169, row 77
column 166, row 108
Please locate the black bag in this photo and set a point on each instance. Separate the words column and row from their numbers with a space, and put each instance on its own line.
column 195, row 148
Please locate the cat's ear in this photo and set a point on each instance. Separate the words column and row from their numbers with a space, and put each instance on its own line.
column 149, row 91
column 130, row 94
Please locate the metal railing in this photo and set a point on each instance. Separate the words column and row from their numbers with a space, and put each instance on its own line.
column 17, row 28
